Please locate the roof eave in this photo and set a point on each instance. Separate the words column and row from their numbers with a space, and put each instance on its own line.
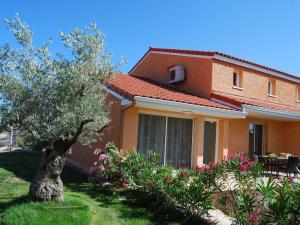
column 256, row 68
column 271, row 113
column 123, row 101
column 181, row 107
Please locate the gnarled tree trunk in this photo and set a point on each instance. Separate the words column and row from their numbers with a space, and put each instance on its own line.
column 47, row 184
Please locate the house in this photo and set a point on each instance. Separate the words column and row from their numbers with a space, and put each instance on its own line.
column 194, row 107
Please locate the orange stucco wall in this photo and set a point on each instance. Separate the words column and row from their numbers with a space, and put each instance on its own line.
column 279, row 136
column 130, row 132
column 198, row 71
column 254, row 84
column 202, row 77
column 130, row 128
column 83, row 156
column 292, row 137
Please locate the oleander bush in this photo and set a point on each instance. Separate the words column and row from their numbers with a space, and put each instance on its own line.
column 236, row 181
column 187, row 190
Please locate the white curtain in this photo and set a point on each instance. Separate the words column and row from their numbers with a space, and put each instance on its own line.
column 152, row 133
column 179, row 142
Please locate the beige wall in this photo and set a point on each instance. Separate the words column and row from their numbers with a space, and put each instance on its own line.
column 292, row 137
column 279, row 136
column 83, row 156
column 233, row 135
column 130, row 132
column 255, row 84
column 130, row 128
column 198, row 71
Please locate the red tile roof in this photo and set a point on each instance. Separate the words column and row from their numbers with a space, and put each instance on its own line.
column 213, row 53
column 129, row 86
column 238, row 101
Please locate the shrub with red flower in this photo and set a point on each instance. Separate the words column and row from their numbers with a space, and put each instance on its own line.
column 204, row 168
column 253, row 219
column 191, row 190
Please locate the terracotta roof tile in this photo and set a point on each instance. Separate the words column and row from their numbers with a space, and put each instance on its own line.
column 238, row 101
column 129, row 86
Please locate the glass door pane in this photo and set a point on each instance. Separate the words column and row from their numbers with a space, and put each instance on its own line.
column 258, row 139
column 255, row 139
column 179, row 142
column 151, row 134
column 251, row 140
column 209, row 150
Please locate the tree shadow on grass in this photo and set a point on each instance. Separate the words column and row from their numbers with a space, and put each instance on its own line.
column 15, row 201
column 133, row 205
column 130, row 205
column 22, row 164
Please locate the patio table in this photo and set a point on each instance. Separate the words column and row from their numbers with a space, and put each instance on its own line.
column 275, row 162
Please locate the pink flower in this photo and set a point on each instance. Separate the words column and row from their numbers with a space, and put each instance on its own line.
column 204, row 168
column 243, row 168
column 97, row 151
column 242, row 158
column 290, row 179
column 94, row 168
column 251, row 164
column 252, row 219
column 103, row 157
column 231, row 155
column 214, row 165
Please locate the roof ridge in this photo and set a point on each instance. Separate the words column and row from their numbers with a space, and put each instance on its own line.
column 212, row 53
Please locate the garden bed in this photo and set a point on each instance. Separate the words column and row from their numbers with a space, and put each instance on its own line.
column 232, row 185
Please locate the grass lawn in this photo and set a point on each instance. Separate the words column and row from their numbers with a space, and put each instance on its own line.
column 84, row 204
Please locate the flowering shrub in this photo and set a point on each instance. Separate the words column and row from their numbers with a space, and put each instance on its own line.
column 280, row 202
column 253, row 200
column 187, row 190
column 235, row 180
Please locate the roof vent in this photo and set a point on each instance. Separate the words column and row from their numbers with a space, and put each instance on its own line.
column 176, row 74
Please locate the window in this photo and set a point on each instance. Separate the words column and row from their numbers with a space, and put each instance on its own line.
column 237, row 80
column 272, row 87
column 172, row 74
column 297, row 93
column 170, row 137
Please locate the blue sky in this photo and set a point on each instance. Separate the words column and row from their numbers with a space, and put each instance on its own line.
column 266, row 32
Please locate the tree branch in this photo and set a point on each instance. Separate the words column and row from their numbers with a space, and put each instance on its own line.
column 102, row 128
column 80, row 128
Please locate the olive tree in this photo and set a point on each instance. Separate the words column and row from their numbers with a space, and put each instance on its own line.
column 56, row 100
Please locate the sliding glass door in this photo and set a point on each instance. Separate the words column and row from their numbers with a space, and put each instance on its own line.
column 179, row 142
column 151, row 134
column 210, row 138
column 170, row 137
column 255, row 139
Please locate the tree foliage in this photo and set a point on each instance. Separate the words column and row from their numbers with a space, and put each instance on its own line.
column 55, row 97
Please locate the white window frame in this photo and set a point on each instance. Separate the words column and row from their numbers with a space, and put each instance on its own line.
column 167, row 116
column 272, row 85
column 270, row 88
column 297, row 97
